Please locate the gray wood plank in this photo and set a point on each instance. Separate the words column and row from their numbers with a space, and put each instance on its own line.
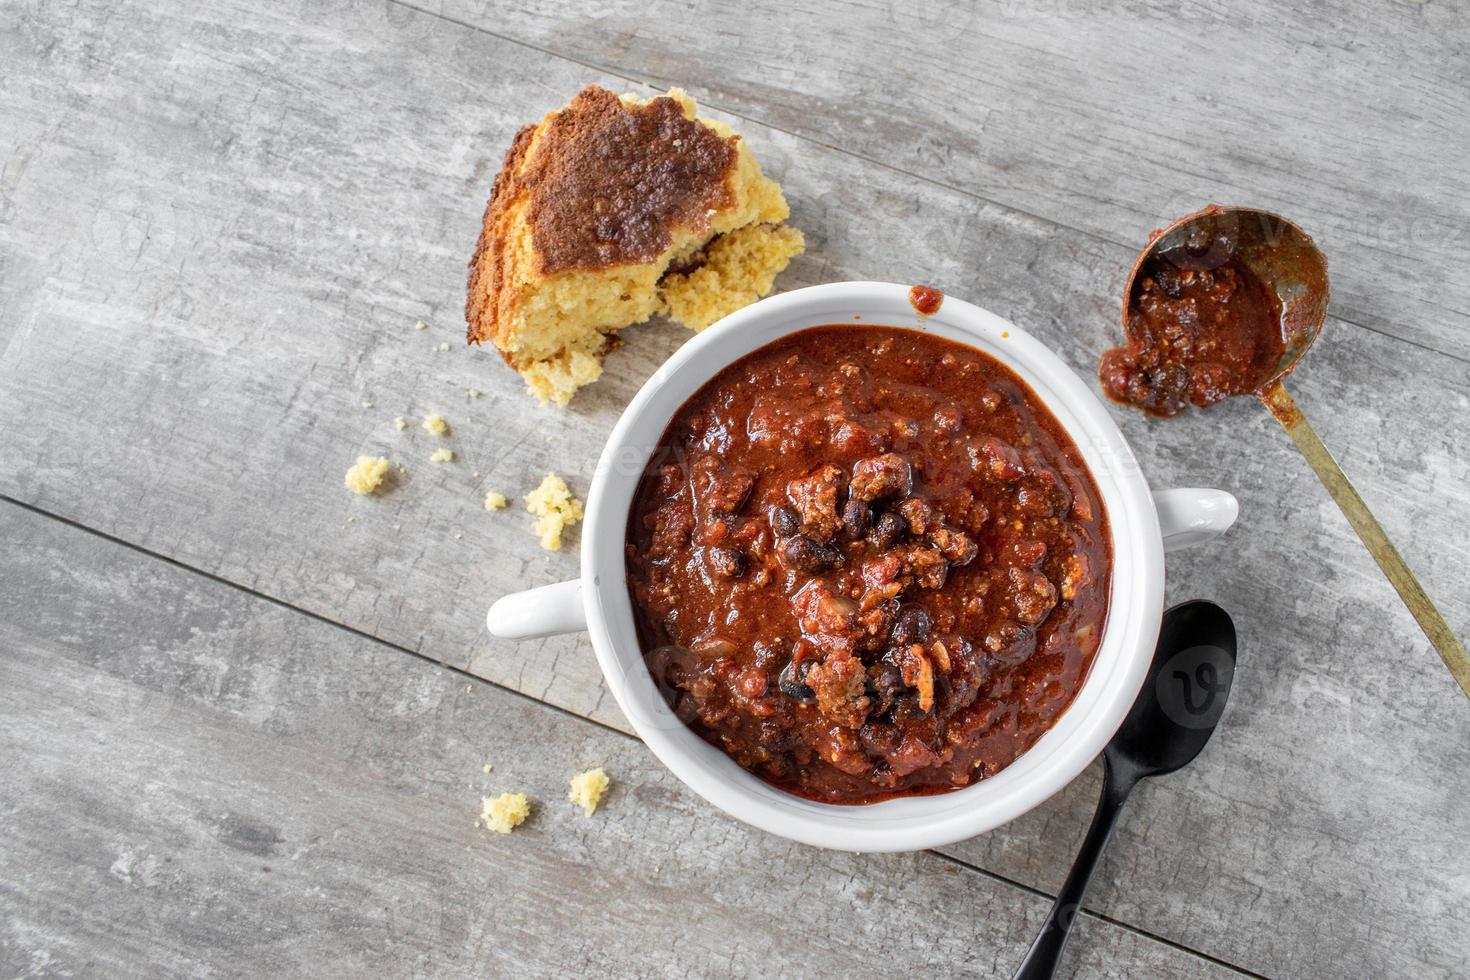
column 218, row 231
column 201, row 783
column 1108, row 117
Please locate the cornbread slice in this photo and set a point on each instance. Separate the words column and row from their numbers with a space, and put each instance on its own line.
column 593, row 208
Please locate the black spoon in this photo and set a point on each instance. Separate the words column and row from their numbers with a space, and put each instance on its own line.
column 1173, row 718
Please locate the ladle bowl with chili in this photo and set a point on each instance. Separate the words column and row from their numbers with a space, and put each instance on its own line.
column 880, row 585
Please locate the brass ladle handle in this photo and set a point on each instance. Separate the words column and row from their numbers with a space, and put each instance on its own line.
column 1449, row 647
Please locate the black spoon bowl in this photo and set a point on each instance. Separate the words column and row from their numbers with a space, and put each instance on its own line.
column 1170, row 722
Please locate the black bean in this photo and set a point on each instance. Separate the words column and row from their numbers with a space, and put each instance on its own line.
column 793, row 682
column 811, row 556
column 887, row 687
column 912, row 626
column 887, row 531
column 857, row 517
column 786, row 521
column 729, row 562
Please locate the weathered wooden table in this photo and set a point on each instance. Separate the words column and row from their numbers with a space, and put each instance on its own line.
column 243, row 714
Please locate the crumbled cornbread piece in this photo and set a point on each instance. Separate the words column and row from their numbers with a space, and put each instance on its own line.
column 505, row 812
column 366, row 475
column 739, row 268
column 587, row 789
column 400, row 423
column 487, row 766
column 594, row 207
column 555, row 509
column 435, row 424
column 421, row 325
column 443, row 456
column 495, row 501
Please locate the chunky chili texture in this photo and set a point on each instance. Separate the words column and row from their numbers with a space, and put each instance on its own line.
column 867, row 562
column 1196, row 335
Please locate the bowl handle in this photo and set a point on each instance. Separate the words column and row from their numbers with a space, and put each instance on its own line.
column 1189, row 515
column 546, row 611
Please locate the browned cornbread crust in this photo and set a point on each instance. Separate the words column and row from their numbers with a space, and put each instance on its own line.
column 608, row 183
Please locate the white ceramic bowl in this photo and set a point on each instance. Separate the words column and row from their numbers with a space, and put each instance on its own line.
column 1143, row 527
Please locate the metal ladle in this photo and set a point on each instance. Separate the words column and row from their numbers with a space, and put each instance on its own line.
column 1283, row 258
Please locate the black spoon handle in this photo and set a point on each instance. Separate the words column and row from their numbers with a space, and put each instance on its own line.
column 1041, row 961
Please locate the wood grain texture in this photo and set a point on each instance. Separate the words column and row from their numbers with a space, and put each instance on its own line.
column 201, row 783
column 1111, row 117
column 218, row 225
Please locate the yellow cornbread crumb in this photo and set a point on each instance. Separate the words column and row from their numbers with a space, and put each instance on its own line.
column 443, row 456
column 400, row 423
column 421, row 325
column 555, row 509
column 495, row 501
column 366, row 475
column 435, row 424
column 587, row 789
column 505, row 812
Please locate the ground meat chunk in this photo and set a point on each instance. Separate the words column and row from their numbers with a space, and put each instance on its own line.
column 671, row 529
column 955, row 546
column 719, row 489
column 911, row 755
column 918, row 515
column 1034, row 595
column 815, row 498
column 883, row 476
column 840, row 685
column 927, row 566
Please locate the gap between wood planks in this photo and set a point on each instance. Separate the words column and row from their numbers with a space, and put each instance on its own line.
column 474, row 678
column 964, row 192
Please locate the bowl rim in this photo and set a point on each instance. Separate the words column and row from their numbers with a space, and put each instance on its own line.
column 905, row 823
